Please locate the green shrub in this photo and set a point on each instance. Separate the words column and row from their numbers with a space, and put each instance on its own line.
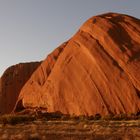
column 65, row 117
column 83, row 117
column 120, row 117
column 108, row 117
column 90, row 118
column 51, row 116
column 15, row 119
column 97, row 116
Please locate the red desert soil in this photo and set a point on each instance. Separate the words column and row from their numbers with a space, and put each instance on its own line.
column 72, row 130
column 95, row 72
column 11, row 83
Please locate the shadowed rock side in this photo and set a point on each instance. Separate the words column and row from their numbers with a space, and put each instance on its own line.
column 11, row 83
column 97, row 71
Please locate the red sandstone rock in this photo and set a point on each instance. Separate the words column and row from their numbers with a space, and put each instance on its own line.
column 96, row 71
column 11, row 83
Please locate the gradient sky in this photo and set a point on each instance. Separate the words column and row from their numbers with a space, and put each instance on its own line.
column 30, row 29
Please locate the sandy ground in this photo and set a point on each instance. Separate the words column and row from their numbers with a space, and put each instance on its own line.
column 72, row 130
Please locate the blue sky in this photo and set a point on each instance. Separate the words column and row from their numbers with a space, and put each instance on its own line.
column 30, row 29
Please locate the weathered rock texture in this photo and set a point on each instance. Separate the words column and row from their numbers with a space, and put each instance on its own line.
column 11, row 83
column 96, row 71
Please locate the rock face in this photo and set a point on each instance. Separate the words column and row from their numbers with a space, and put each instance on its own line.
column 11, row 83
column 96, row 71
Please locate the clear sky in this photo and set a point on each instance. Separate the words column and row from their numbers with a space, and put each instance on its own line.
column 30, row 29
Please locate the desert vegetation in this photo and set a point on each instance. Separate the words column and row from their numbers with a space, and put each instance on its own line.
column 42, row 126
column 15, row 119
column 26, row 116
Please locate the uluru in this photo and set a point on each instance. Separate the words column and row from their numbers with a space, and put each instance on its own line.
column 94, row 72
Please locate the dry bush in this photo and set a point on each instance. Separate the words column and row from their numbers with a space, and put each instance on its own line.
column 15, row 119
